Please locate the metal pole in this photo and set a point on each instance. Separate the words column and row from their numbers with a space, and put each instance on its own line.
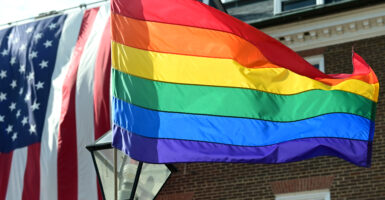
column 137, row 175
column 115, row 175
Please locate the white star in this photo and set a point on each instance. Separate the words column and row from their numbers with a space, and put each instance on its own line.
column 32, row 128
column 22, row 69
column 39, row 85
column 4, row 52
column 1, row 118
column 22, row 47
column 31, row 76
column 13, row 61
column 30, row 29
column 9, row 129
column 33, row 54
column 13, row 84
column 3, row 96
column 18, row 113
column 14, row 136
column 3, row 74
column 27, row 97
column 12, row 106
column 21, row 91
column 35, row 106
column 24, row 121
column 47, row 43
column 37, row 36
column 52, row 26
column 43, row 64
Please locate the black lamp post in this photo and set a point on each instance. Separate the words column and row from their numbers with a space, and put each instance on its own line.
column 122, row 178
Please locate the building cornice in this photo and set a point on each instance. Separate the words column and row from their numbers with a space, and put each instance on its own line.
column 333, row 29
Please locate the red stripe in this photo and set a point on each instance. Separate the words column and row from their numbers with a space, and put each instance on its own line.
column 195, row 14
column 102, row 84
column 31, row 189
column 5, row 169
column 102, row 88
column 67, row 164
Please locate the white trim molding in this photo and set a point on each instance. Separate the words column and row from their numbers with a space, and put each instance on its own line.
column 307, row 195
column 332, row 29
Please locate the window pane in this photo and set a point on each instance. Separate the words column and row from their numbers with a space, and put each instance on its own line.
column 294, row 4
column 331, row 1
column 316, row 66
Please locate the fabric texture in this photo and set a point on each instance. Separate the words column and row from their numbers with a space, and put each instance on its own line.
column 53, row 102
column 193, row 84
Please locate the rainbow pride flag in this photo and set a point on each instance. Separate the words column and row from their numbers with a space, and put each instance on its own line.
column 193, row 84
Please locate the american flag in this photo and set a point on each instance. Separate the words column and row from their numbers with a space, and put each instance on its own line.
column 54, row 100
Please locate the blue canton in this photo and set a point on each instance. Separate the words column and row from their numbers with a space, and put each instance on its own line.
column 27, row 60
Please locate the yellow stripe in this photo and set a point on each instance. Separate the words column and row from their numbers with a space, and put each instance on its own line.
column 224, row 72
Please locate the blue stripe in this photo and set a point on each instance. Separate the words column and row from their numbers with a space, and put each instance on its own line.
column 237, row 131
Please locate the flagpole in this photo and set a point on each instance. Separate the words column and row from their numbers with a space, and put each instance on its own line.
column 115, row 175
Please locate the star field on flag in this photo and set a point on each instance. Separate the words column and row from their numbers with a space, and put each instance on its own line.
column 27, row 59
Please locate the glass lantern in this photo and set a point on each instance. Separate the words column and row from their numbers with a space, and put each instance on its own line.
column 123, row 178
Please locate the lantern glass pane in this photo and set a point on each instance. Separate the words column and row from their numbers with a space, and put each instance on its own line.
column 151, row 180
column 105, row 164
column 126, row 172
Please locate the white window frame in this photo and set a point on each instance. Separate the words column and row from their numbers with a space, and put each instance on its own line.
column 278, row 5
column 317, row 59
column 307, row 195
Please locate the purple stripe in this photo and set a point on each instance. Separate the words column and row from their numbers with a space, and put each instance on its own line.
column 153, row 150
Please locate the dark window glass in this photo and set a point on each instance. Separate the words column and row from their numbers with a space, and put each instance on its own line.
column 295, row 4
column 331, row 1
column 316, row 66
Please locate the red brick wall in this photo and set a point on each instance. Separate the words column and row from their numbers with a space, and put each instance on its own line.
column 257, row 181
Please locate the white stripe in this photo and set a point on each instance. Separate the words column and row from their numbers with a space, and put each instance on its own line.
column 87, row 184
column 16, row 176
column 48, row 156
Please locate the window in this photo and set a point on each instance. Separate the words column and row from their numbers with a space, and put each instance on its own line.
column 291, row 5
column 287, row 5
column 317, row 61
column 307, row 195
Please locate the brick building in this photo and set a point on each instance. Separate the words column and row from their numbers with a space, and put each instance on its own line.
column 324, row 32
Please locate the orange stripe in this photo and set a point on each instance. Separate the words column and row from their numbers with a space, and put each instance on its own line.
column 169, row 38
column 186, row 40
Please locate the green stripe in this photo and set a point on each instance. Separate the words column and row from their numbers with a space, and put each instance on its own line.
column 236, row 102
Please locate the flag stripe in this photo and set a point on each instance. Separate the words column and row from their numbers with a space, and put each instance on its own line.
column 223, row 72
column 67, row 150
column 210, row 18
column 84, row 109
column 169, row 38
column 101, row 89
column 49, row 143
column 159, row 150
column 236, row 102
column 237, row 131
column 31, row 189
column 5, row 166
column 16, row 176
